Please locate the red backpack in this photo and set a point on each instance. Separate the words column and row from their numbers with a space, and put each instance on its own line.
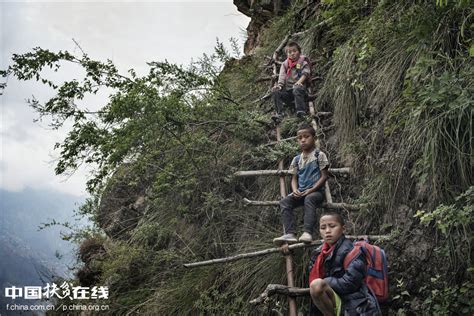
column 376, row 279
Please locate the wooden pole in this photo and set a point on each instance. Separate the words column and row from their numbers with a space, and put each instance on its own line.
column 312, row 111
column 273, row 289
column 282, row 140
column 327, row 193
column 312, row 28
column 288, row 257
column 268, row 251
column 333, row 206
column 249, row 173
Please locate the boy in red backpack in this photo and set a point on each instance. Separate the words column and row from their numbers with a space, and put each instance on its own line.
column 335, row 289
column 292, row 82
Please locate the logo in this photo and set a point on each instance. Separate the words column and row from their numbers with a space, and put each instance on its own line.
column 65, row 290
column 52, row 291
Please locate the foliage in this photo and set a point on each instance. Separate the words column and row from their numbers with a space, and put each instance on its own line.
column 458, row 216
column 455, row 221
column 449, row 300
column 398, row 78
column 437, row 116
column 120, row 130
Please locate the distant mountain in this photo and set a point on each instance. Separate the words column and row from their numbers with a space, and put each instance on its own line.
column 32, row 257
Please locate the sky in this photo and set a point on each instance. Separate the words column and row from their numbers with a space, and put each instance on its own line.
column 129, row 33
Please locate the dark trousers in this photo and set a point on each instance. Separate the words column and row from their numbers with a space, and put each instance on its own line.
column 310, row 202
column 282, row 97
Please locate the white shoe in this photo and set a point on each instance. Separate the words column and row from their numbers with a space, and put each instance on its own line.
column 285, row 239
column 306, row 237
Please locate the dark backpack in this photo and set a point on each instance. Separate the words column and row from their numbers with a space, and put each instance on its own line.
column 298, row 157
column 376, row 279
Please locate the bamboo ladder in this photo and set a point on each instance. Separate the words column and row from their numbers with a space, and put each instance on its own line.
column 288, row 290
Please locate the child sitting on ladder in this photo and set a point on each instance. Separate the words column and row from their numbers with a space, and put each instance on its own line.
column 333, row 289
column 292, row 83
column 309, row 173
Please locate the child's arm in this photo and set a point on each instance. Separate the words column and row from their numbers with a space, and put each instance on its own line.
column 294, row 177
column 300, row 82
column 304, row 74
column 352, row 279
column 281, row 77
column 294, row 186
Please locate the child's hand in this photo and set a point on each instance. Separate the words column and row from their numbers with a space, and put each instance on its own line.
column 276, row 87
column 305, row 192
column 297, row 194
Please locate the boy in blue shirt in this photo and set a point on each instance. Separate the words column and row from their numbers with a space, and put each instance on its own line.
column 310, row 172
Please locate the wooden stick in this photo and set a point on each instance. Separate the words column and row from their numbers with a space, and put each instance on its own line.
column 313, row 28
column 279, row 141
column 320, row 132
column 288, row 257
column 318, row 114
column 312, row 111
column 250, row 173
column 266, row 96
column 333, row 206
column 268, row 251
column 266, row 78
column 275, row 57
column 273, row 289
column 280, row 47
column 327, row 193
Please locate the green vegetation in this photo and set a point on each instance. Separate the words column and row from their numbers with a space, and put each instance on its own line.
column 398, row 76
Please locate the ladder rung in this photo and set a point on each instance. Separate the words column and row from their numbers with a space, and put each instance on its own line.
column 281, row 140
column 250, row 173
column 281, row 289
column 320, row 114
column 268, row 251
column 334, row 206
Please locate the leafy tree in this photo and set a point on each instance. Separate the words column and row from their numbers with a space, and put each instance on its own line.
column 142, row 113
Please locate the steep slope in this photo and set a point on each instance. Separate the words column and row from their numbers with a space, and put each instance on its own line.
column 397, row 77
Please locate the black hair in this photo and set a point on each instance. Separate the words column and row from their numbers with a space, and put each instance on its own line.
column 307, row 127
column 294, row 44
column 336, row 214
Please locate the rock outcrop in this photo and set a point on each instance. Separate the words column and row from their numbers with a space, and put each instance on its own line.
column 122, row 203
column 260, row 12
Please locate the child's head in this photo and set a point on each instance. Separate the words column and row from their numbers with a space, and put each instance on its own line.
column 293, row 50
column 331, row 226
column 305, row 136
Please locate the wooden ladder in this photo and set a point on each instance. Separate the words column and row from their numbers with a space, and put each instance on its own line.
column 289, row 290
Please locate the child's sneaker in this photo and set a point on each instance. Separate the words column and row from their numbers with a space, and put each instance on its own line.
column 285, row 239
column 278, row 117
column 301, row 114
column 306, row 237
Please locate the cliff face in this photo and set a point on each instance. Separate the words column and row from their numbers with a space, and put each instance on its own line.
column 122, row 203
column 396, row 76
column 260, row 12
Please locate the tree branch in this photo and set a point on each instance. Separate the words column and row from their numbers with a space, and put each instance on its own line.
column 273, row 289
